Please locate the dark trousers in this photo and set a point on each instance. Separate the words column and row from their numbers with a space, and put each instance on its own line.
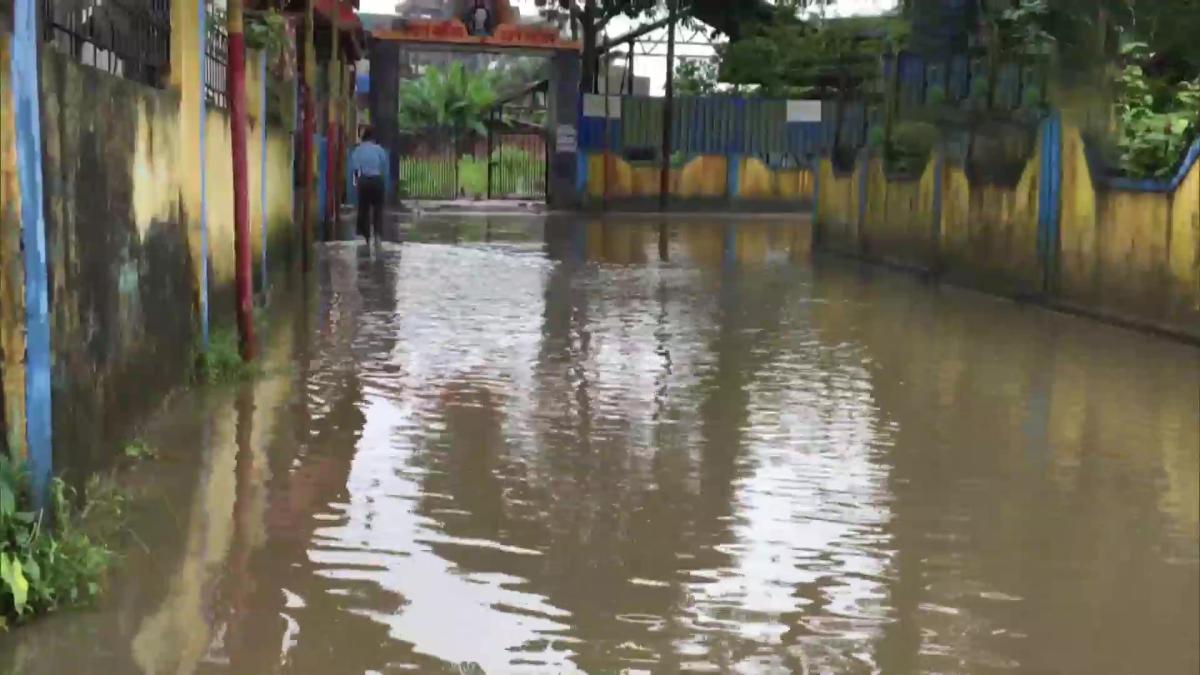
column 370, row 207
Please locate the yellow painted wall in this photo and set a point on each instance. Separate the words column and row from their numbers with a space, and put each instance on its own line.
column 899, row 223
column 837, row 208
column 703, row 177
column 1130, row 254
column 758, row 181
column 989, row 232
column 219, row 190
column 12, row 280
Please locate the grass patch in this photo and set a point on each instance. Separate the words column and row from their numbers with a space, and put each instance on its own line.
column 57, row 557
column 222, row 363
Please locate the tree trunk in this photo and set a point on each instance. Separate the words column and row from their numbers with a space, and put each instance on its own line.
column 236, row 80
column 588, row 68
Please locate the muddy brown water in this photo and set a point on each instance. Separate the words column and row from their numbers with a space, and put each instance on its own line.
column 525, row 446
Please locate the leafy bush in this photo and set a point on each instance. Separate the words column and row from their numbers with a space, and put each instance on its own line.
column 936, row 95
column 223, row 363
column 56, row 557
column 911, row 144
column 453, row 99
column 876, row 137
column 1157, row 121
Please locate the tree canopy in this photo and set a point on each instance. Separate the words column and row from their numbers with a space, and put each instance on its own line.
column 453, row 100
column 794, row 57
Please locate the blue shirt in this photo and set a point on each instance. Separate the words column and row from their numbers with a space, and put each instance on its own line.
column 369, row 159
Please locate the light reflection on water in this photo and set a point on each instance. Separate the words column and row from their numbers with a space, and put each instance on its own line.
column 548, row 447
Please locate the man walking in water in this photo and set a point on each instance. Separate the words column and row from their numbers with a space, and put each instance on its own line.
column 369, row 162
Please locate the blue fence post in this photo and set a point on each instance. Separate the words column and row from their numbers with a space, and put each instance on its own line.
column 734, row 149
column 863, row 164
column 203, row 22
column 581, row 150
column 322, row 157
column 25, row 92
column 816, row 196
column 939, row 173
column 1049, row 198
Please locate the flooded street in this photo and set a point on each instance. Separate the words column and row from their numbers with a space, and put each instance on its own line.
column 517, row 446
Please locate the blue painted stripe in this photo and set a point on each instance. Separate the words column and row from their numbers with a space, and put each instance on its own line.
column 863, row 174
column 816, row 199
column 733, row 167
column 322, row 158
column 38, row 408
column 581, row 171
column 939, row 164
column 203, row 191
column 262, row 122
column 1049, row 197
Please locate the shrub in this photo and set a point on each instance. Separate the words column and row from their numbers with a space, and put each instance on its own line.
column 223, row 363
column 56, row 557
column 911, row 144
column 1157, row 121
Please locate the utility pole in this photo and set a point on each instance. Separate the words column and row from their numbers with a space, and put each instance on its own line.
column 236, row 81
column 664, row 185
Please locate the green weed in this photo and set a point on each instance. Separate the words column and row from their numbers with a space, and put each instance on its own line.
column 222, row 363
column 139, row 450
column 56, row 557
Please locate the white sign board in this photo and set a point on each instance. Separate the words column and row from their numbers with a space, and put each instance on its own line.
column 595, row 105
column 804, row 111
column 567, row 139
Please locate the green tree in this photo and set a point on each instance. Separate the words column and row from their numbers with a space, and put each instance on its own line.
column 696, row 77
column 452, row 100
column 590, row 18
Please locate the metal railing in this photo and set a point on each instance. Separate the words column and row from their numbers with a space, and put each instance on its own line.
column 216, row 60
column 127, row 38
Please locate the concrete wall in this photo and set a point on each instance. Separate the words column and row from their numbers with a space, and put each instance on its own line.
column 12, row 279
column 898, row 225
column 837, row 207
column 120, row 274
column 1132, row 254
column 705, row 180
column 123, row 203
column 1129, row 255
column 989, row 231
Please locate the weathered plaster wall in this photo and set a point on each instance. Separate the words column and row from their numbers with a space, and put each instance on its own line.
column 838, row 208
column 12, row 279
column 757, row 181
column 1131, row 254
column 120, row 271
column 703, row 179
column 123, row 232
column 898, row 224
column 989, row 231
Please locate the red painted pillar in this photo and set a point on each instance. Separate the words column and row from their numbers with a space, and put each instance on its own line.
column 243, row 271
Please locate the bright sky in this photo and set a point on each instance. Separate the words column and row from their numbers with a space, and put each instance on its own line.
column 654, row 67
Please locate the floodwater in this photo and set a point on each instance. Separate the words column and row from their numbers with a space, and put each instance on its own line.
column 517, row 446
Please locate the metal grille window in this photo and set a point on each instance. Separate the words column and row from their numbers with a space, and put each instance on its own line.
column 216, row 59
column 127, row 38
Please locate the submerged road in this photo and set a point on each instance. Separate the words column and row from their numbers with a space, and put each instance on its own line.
column 528, row 446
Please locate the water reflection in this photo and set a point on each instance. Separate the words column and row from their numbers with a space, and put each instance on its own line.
column 555, row 446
